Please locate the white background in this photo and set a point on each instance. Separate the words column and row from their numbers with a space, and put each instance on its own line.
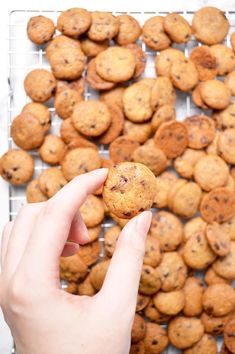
column 118, row 5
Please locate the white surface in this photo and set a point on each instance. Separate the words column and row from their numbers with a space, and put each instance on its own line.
column 108, row 5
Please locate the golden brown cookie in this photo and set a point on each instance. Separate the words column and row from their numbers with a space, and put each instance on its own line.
column 225, row 118
column 74, row 22
column 164, row 183
column 129, row 189
column 78, row 161
column 122, row 148
column 193, row 291
column 177, row 28
column 212, row 278
column 164, row 60
column 210, row 25
column 40, row 84
column 116, row 126
column 96, row 81
column 184, row 74
column 225, row 266
column 51, row 181
column 40, row 29
column 218, row 240
column 138, row 329
column 77, row 85
column 72, row 268
column 16, row 167
column 226, row 145
column 113, row 96
column 218, row 300
column 154, row 35
column 110, row 239
column 162, row 93
column 173, row 271
column 184, row 332
column 137, row 348
column 103, row 26
column 98, row 273
column 61, row 43
column 27, row 132
column 91, row 118
column 154, row 315
column 229, row 228
column 172, row 138
column 116, row 64
column 218, row 205
column 92, row 48
column 140, row 57
column 212, row 149
column 142, row 302
column 201, row 131
column 225, row 58
column 162, row 115
column 214, row 325
column 68, row 132
column 170, row 303
column 34, row 193
column 136, row 101
column 156, row 339
column 86, row 288
column 90, row 252
column 137, row 131
column 153, row 253
column 65, row 102
column 39, row 111
column 52, row 150
column 211, row 172
column 92, row 211
column 215, row 94
column 150, row 281
column 205, row 62
column 167, row 229
column 207, row 344
column 193, row 226
column 197, row 98
column 129, row 30
column 229, row 334
column 184, row 164
column 229, row 81
column 71, row 288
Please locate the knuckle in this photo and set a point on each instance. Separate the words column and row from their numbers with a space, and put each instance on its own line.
column 16, row 295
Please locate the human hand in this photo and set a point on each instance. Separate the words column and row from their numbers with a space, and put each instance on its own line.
column 43, row 318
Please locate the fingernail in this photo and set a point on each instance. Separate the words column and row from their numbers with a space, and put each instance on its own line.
column 143, row 222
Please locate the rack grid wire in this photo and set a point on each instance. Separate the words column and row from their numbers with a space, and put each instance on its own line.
column 24, row 56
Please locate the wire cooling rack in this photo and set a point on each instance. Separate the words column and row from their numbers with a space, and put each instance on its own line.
column 24, row 56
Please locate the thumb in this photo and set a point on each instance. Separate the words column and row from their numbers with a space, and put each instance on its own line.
column 122, row 279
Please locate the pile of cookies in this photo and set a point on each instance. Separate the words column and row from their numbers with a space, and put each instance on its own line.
column 193, row 161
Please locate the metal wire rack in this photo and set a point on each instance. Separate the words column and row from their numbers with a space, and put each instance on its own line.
column 24, row 56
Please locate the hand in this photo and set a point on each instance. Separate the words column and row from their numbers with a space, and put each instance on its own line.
column 45, row 319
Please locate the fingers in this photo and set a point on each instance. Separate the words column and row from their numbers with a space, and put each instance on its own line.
column 122, row 279
column 54, row 221
column 4, row 242
column 70, row 249
column 78, row 232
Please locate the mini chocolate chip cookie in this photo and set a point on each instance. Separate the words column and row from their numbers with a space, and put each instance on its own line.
column 122, row 148
column 205, row 62
column 92, row 211
column 137, row 131
column 129, row 30
column 34, row 193
column 184, row 74
column 52, row 150
column 41, row 112
column 113, row 96
column 154, row 35
column 184, row 332
column 193, row 226
column 177, row 28
column 110, row 239
column 140, row 57
column 225, row 266
column 74, row 22
column 193, row 291
column 65, row 102
column 40, row 29
column 229, row 81
column 185, row 164
column 170, row 303
column 164, row 60
column 226, row 145
column 153, row 254
column 98, row 273
column 116, row 126
column 164, row 183
column 92, row 48
column 225, row 58
column 215, row 94
column 201, row 131
column 51, row 181
column 156, row 339
column 162, row 93
column 219, row 300
column 225, row 119
column 96, row 81
column 138, row 329
column 150, row 281
column 162, row 115
column 207, row 344
column 90, row 252
column 72, row 268
column 40, row 85
column 218, row 239
column 103, row 26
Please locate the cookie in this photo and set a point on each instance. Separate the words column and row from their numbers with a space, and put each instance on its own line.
column 193, row 291
column 197, row 253
column 229, row 333
column 138, row 329
column 16, row 167
column 197, row 98
column 68, row 132
column 51, row 181
column 116, row 64
column 226, row 145
column 211, row 172
column 224, row 349
column 129, row 189
column 65, row 102
column 185, row 164
column 164, row 60
column 175, row 189
column 140, row 57
column 162, row 226
column 52, row 150
column 214, row 325
column 40, row 112
column 218, row 240
column 207, row 344
column 39, row 85
column 86, row 288
column 156, row 339
column 103, row 26
column 225, row 59
column 154, row 315
column 72, row 268
column 122, row 148
column 184, row 74
column 113, row 96
column 212, row 278
column 27, row 132
column 230, row 185
column 215, row 94
column 164, row 183
column 229, row 81
column 110, row 239
column 229, row 228
column 92, row 211
column 193, row 226
column 90, row 252
column 40, row 29
column 177, row 28
column 205, row 62
column 170, row 303
column 139, row 132
column 94, row 232
column 96, row 81
column 154, row 35
column 162, row 115
column 129, row 30
column 152, row 157
column 225, row 267
column 72, row 288
column 153, row 253
column 173, row 271
column 98, row 273
column 61, row 43
column 79, row 161
column 212, row 149
column 184, row 332
column 91, row 118
column 34, row 193
column 142, row 302
column 225, row 119
column 92, row 48
column 232, row 40
column 116, row 126
column 77, row 85
column 201, row 131
column 218, row 300
column 210, row 25
column 218, row 205
column 136, row 101
column 74, row 22
column 150, row 281
column 137, row 348
column 162, row 93
column 121, row 222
